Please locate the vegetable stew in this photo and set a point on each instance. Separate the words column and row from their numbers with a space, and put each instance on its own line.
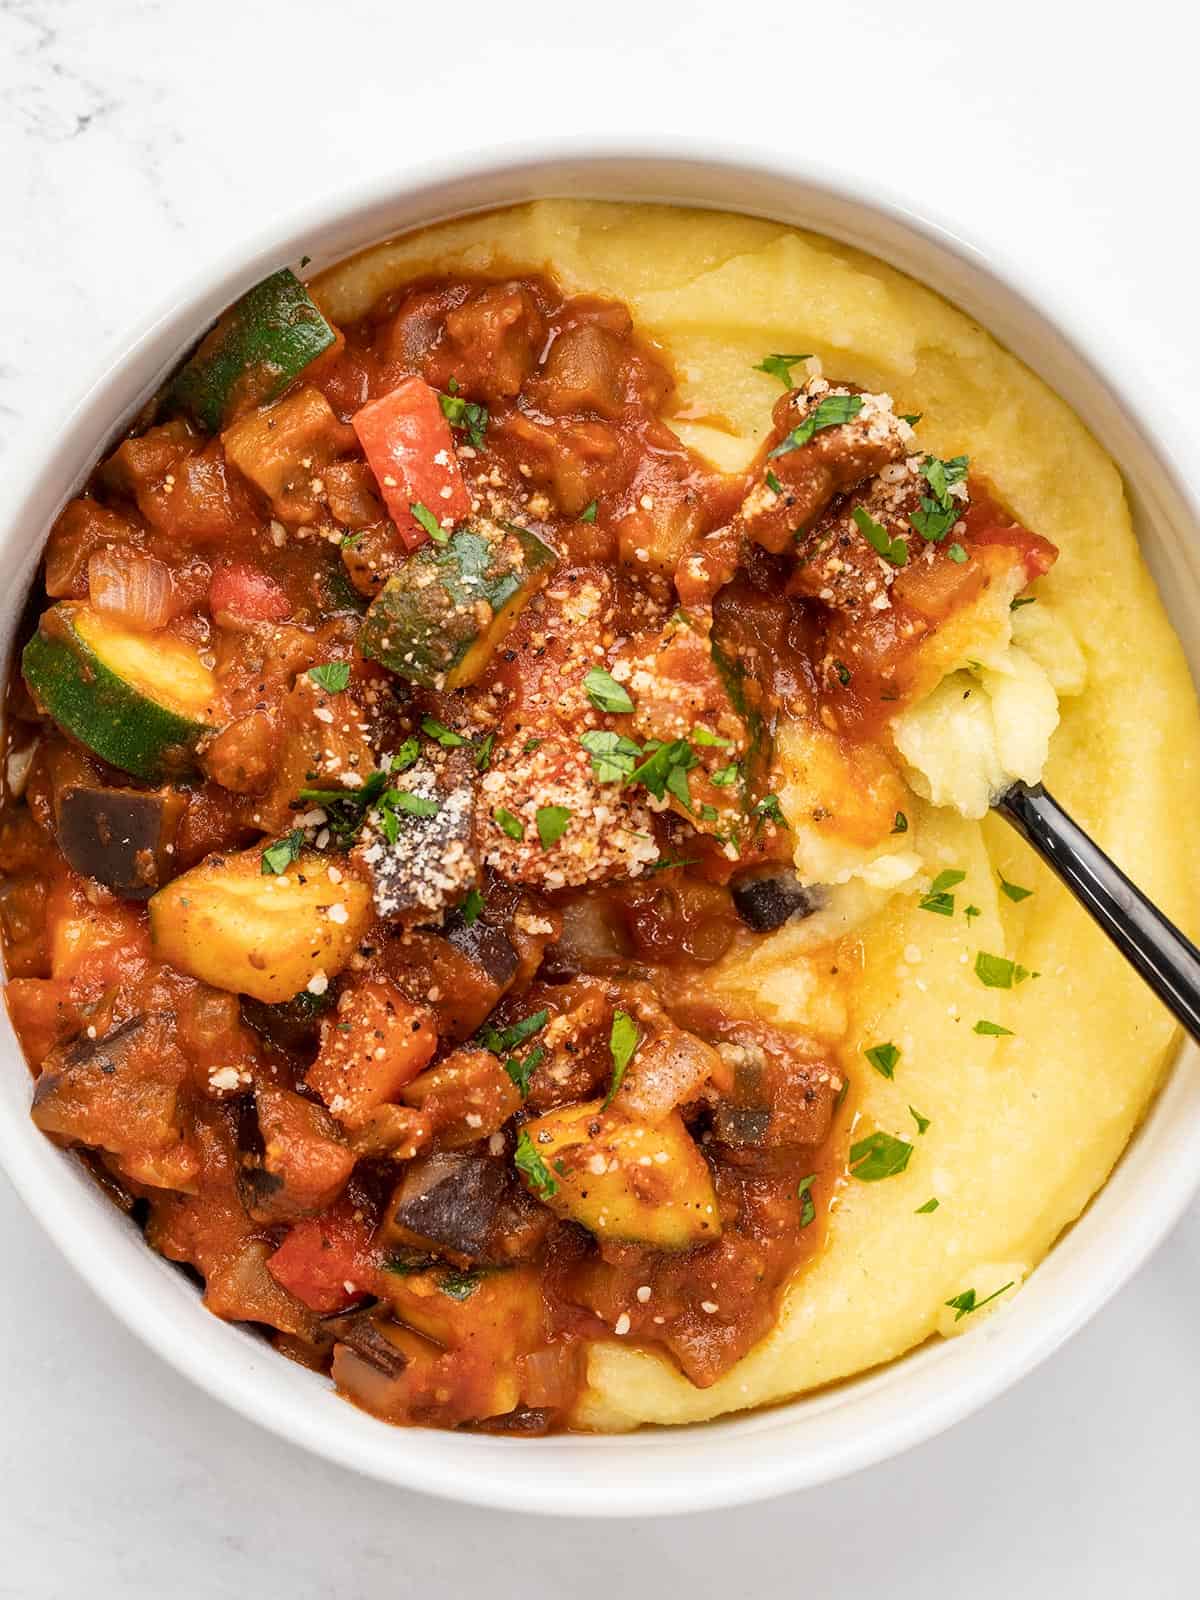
column 393, row 762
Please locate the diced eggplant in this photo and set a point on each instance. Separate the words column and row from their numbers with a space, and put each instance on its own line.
column 362, row 1334
column 293, row 1027
column 295, row 1162
column 768, row 898
column 449, row 1202
column 432, row 861
column 741, row 1125
column 487, row 948
column 123, row 838
column 96, row 1092
column 783, row 1095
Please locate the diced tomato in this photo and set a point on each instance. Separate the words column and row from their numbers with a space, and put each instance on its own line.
column 379, row 1043
column 326, row 1261
column 1038, row 554
column 409, row 448
column 244, row 593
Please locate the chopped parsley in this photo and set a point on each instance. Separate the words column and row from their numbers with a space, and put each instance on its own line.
column 921, row 1122
column 423, row 515
column 1023, row 600
column 551, row 824
column 880, row 540
column 483, row 752
column 998, row 972
column 879, row 1155
column 400, row 760
column 957, row 553
column 605, row 693
column 724, row 776
column 921, row 1211
column 501, row 1041
column 911, row 417
column 900, row 825
column 773, row 483
column 332, row 676
column 830, row 413
column 446, row 737
column 507, row 823
column 938, row 899
column 465, row 414
column 613, row 755
column 808, row 1210
column 970, row 912
column 533, row 1169
column 992, row 1028
column 398, row 802
column 666, row 863
column 345, row 809
column 1014, row 891
column 963, row 1304
column 883, row 1057
column 530, row 746
column 588, row 514
column 471, row 907
column 939, row 508
column 278, row 857
column 521, row 1072
column 703, row 736
column 770, row 808
column 665, row 769
column 844, row 675
column 623, row 1040
column 781, row 367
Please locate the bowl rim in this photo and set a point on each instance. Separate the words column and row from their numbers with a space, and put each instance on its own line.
column 529, row 1475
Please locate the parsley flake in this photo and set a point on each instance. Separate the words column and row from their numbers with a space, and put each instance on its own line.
column 998, row 972
column 613, row 755
column 606, row 694
column 507, row 823
column 521, row 1072
column 551, row 824
column 844, row 675
column 992, row 1028
column 880, row 540
column 724, row 776
column 423, row 515
column 963, row 1304
column 921, row 1211
column 808, row 1210
column 1023, row 600
column 773, row 483
column 471, row 907
column 830, row 413
column 938, row 899
column 703, row 736
column 501, row 1041
column 623, row 1040
column 278, row 857
column 483, row 752
column 781, row 367
column 332, row 676
column 921, row 1122
column 588, row 514
column 770, row 808
column 900, row 825
column 1014, row 891
column 533, row 1169
column 879, row 1155
column 957, row 553
column 883, row 1057
column 446, row 737
column 465, row 414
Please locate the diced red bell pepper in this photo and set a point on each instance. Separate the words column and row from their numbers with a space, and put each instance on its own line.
column 326, row 1261
column 409, row 448
column 248, row 594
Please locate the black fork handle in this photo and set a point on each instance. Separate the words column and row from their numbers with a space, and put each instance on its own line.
column 1149, row 941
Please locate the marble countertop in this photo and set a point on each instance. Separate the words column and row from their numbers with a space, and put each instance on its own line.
column 139, row 138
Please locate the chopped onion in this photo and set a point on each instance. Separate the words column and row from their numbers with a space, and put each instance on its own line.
column 548, row 1378
column 132, row 587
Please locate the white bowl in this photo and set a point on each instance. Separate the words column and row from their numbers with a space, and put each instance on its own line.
column 810, row 1440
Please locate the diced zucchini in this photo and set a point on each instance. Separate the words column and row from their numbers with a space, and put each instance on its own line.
column 501, row 1308
column 266, row 935
column 437, row 621
column 260, row 344
column 624, row 1180
column 141, row 701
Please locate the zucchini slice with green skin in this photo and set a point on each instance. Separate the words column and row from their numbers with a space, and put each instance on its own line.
column 260, row 344
column 142, row 702
column 438, row 620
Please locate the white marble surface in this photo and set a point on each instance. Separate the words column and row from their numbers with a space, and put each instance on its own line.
column 137, row 138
